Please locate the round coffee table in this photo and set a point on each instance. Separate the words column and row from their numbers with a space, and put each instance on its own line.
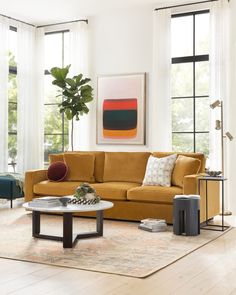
column 67, row 212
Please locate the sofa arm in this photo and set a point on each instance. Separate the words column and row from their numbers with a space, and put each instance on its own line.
column 191, row 184
column 213, row 191
column 31, row 178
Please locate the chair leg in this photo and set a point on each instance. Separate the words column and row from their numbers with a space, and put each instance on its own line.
column 11, row 194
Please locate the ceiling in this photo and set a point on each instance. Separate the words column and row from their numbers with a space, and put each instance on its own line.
column 43, row 12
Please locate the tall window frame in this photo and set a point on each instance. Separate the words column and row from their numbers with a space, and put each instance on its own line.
column 64, row 130
column 12, row 107
column 193, row 59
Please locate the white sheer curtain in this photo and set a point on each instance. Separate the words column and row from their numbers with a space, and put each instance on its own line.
column 30, row 75
column 79, row 64
column 219, row 89
column 219, row 75
column 231, row 118
column 4, row 34
column 161, row 92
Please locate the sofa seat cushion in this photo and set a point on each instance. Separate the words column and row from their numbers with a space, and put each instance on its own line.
column 157, row 194
column 113, row 190
column 56, row 188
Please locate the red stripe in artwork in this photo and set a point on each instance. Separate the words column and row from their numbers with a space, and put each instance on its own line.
column 120, row 104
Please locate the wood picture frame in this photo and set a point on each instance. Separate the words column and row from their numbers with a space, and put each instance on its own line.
column 121, row 105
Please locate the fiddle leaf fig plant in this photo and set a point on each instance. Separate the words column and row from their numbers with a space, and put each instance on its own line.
column 76, row 94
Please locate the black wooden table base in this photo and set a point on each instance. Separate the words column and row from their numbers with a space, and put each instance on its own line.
column 68, row 238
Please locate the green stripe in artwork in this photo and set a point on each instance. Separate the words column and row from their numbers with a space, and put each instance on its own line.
column 120, row 119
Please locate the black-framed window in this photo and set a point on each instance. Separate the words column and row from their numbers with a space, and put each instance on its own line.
column 190, row 81
column 56, row 127
column 12, row 100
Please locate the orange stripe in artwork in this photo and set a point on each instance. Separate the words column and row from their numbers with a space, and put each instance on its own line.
column 119, row 133
column 120, row 104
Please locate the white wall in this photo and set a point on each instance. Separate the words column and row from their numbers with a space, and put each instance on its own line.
column 121, row 42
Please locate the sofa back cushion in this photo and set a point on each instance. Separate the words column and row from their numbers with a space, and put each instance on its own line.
column 184, row 166
column 98, row 163
column 125, row 166
column 80, row 166
column 56, row 158
column 198, row 156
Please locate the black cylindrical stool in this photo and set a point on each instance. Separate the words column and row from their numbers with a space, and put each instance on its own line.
column 186, row 215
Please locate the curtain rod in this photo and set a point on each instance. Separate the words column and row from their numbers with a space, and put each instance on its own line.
column 15, row 19
column 62, row 23
column 187, row 4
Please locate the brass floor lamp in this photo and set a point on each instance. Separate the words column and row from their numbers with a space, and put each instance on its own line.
column 220, row 126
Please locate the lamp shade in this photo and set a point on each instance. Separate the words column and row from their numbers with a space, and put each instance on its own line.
column 215, row 104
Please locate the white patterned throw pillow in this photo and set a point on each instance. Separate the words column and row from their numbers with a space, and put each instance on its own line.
column 159, row 170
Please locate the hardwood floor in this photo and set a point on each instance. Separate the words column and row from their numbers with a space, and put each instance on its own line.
column 209, row 270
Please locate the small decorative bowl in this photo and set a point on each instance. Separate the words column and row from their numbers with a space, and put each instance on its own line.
column 213, row 173
column 64, row 201
column 84, row 201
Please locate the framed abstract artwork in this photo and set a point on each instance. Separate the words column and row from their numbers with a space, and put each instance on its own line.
column 121, row 109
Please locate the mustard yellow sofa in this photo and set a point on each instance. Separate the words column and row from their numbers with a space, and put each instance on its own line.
column 117, row 177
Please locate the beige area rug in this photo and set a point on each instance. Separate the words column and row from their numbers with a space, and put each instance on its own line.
column 123, row 250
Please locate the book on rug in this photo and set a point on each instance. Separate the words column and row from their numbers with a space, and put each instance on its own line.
column 152, row 221
column 45, row 202
column 153, row 225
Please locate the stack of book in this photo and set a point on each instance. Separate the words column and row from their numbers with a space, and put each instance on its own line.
column 45, row 202
column 153, row 225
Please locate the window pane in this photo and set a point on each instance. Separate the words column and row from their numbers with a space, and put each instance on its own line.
column 12, row 88
column 12, row 167
column 53, row 121
column 190, row 84
column 182, row 80
column 202, row 113
column 66, row 126
column 182, row 142
column 202, row 33
column 12, row 117
column 66, row 49
column 57, row 54
column 202, row 78
column 182, row 114
column 12, row 48
column 12, row 105
column 51, row 91
column 53, row 50
column 182, row 36
column 12, row 148
column 202, row 143
column 66, row 142
column 52, row 144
